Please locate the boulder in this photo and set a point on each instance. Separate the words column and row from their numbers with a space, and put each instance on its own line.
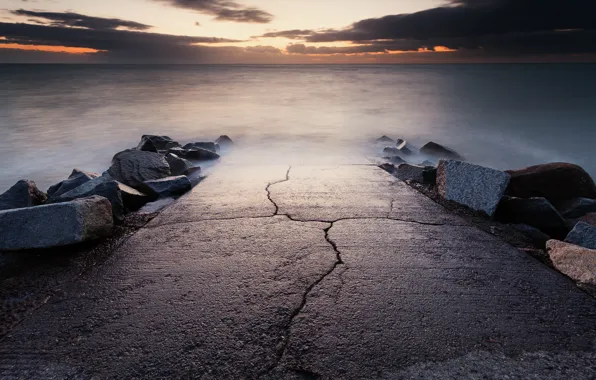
column 147, row 145
column 589, row 218
column 385, row 139
column 576, row 208
column 168, row 187
column 159, row 142
column 420, row 174
column 134, row 167
column 178, row 166
column 203, row 145
column 403, row 147
column 389, row 168
column 22, row 194
column 76, row 179
column 395, row 159
column 538, row 237
column 437, row 150
column 428, row 163
column 194, row 175
column 56, row 224
column 132, row 198
column 576, row 262
column 471, row 185
column 224, row 141
column 556, row 182
column 391, row 151
column 583, row 234
column 198, row 154
column 535, row 212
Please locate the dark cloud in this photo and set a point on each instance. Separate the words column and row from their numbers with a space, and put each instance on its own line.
column 68, row 19
column 224, row 10
column 492, row 26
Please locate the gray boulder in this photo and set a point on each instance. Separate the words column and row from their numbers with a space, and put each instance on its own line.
column 134, row 167
column 159, row 142
column 396, row 160
column 583, row 234
column 385, row 139
column 197, row 154
column 55, row 225
column 178, row 165
column 22, row 194
column 538, row 237
column 194, row 175
column 577, row 207
column 437, row 150
column 147, row 145
column 474, row 186
column 407, row 172
column 224, row 141
column 168, row 187
column 576, row 262
column 403, row 147
column 389, row 168
column 76, row 179
column 213, row 147
column 535, row 212
column 391, row 151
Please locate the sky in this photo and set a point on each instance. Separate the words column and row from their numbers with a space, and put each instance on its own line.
column 297, row 31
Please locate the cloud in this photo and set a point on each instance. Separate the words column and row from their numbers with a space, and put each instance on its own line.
column 224, row 10
column 68, row 19
column 491, row 26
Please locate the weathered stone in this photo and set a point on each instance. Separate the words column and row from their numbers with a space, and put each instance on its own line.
column 396, row 160
column 556, row 182
column 160, row 142
column 203, row 145
column 407, row 172
column 194, row 175
column 198, row 154
column 134, row 167
column 391, row 151
column 168, row 187
column 583, row 234
column 589, row 218
column 538, row 237
column 576, row 208
column 132, row 198
column 22, row 194
column 429, row 175
column 385, row 139
column 428, row 163
column 103, row 186
column 389, row 168
column 439, row 151
column 535, row 212
column 471, row 185
column 403, row 147
column 147, row 145
column 178, row 166
column 224, row 141
column 56, row 224
column 578, row 263
column 76, row 178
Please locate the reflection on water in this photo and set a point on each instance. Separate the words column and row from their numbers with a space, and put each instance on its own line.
column 54, row 118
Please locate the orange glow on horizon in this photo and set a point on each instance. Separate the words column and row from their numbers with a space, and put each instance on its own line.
column 49, row 48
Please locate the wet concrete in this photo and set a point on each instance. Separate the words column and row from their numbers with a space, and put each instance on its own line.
column 282, row 272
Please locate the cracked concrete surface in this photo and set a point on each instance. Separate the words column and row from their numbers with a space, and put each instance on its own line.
column 333, row 272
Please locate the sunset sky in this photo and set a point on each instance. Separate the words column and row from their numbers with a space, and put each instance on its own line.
column 293, row 31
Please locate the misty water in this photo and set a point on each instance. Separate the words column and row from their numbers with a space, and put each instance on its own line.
column 56, row 118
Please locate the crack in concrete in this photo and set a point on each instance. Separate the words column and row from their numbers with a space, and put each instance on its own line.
column 268, row 190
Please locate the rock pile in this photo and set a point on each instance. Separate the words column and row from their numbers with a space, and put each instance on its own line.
column 86, row 205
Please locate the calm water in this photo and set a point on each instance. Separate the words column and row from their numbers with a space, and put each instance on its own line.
column 55, row 118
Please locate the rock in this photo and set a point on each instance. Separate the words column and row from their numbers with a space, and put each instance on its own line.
column 402, row 146
column 56, row 224
column 132, row 198
column 76, row 179
column 589, row 218
column 103, row 186
column 203, row 145
column 178, row 166
column 194, row 175
column 535, row 212
column 429, row 175
column 395, row 159
column 576, row 262
column 576, row 208
column 388, row 168
column 224, row 141
column 538, row 237
column 583, row 234
column 428, row 163
column 439, row 151
column 160, row 142
column 22, row 194
column 391, row 151
column 198, row 154
column 471, row 185
column 385, row 139
column 407, row 172
column 556, row 182
column 147, row 145
column 134, row 167
column 168, row 187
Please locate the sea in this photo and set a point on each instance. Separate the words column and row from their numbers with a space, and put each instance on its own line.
column 54, row 118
